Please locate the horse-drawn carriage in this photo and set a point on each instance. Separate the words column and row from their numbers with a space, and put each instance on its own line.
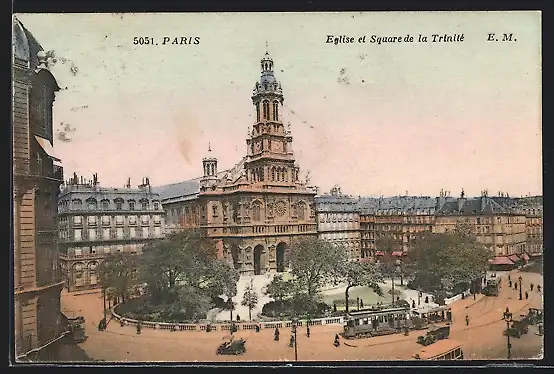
column 517, row 329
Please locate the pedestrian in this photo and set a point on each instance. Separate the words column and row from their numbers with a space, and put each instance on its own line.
column 474, row 297
column 467, row 320
column 449, row 316
column 209, row 327
column 507, row 310
column 238, row 318
column 308, row 331
column 413, row 304
column 139, row 328
column 541, row 329
column 532, row 285
column 361, row 303
column 426, row 299
column 121, row 322
column 336, row 343
column 539, row 288
column 509, row 278
column 526, row 295
column 334, row 307
column 291, row 341
column 276, row 334
column 515, row 286
column 257, row 328
column 510, row 284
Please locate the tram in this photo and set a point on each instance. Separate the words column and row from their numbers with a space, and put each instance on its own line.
column 376, row 321
column 441, row 350
column 493, row 287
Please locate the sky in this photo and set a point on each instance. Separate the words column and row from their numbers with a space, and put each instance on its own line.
column 376, row 119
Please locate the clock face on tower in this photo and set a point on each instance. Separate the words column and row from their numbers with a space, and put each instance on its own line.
column 258, row 146
column 280, row 208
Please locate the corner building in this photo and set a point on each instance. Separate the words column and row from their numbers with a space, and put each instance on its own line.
column 257, row 209
column 95, row 221
column 37, row 174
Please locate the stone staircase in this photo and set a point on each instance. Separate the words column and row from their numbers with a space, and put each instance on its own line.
column 259, row 282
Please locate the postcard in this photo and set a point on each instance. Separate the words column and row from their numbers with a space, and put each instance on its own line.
column 277, row 187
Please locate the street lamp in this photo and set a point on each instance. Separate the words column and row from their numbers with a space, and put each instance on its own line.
column 397, row 266
column 294, row 325
column 401, row 274
column 508, row 318
column 520, row 296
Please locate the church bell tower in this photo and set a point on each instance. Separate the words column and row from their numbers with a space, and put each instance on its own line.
column 209, row 163
column 270, row 159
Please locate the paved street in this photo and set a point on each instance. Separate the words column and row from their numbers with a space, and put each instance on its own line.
column 482, row 339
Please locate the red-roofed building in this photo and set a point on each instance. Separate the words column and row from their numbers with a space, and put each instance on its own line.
column 502, row 263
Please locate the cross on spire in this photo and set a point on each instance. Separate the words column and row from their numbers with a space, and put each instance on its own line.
column 209, row 146
column 266, row 48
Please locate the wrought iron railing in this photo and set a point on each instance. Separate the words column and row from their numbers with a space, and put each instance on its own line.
column 25, row 167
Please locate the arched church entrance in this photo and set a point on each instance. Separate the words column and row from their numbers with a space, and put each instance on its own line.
column 258, row 259
column 235, row 256
column 280, row 256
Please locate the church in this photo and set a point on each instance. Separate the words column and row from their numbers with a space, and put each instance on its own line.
column 258, row 208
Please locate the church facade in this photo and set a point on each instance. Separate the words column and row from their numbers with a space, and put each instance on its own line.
column 256, row 210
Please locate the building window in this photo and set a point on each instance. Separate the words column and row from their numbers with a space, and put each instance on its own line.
column 145, row 220
column 156, row 205
column 214, row 210
column 256, row 211
column 105, row 204
column 120, row 232
column 266, row 109
column 91, row 220
column 132, row 232
column 157, row 231
column 258, row 112
column 132, row 220
column 131, row 205
column 144, row 205
column 78, row 252
column 145, row 232
column 118, row 205
column 301, row 211
column 77, row 205
column 106, row 220
column 77, row 220
column 106, row 234
column 78, row 234
column 92, row 204
column 92, row 234
column 275, row 110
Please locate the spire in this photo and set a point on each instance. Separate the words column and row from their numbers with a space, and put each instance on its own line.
column 266, row 49
column 209, row 146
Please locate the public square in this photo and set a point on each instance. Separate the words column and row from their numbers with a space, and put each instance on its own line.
column 482, row 339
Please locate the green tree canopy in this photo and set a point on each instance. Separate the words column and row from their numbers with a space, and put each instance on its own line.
column 316, row 263
column 118, row 274
column 279, row 289
column 250, row 299
column 361, row 274
column 450, row 258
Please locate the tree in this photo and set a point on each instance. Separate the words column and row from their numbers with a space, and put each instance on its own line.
column 315, row 263
column 183, row 273
column 448, row 259
column 118, row 274
column 278, row 289
column 361, row 274
column 386, row 244
column 250, row 299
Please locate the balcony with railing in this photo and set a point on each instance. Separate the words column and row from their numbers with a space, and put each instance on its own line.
column 24, row 167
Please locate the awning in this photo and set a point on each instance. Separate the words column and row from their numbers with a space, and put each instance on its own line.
column 535, row 254
column 379, row 253
column 514, row 258
column 398, row 253
column 47, row 147
column 501, row 261
column 525, row 256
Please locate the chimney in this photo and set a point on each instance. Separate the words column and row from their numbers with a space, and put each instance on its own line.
column 461, row 200
column 483, row 202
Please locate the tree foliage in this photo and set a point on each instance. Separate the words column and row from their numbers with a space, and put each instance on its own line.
column 361, row 274
column 182, row 274
column 279, row 289
column 118, row 275
column 250, row 299
column 450, row 258
column 316, row 263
